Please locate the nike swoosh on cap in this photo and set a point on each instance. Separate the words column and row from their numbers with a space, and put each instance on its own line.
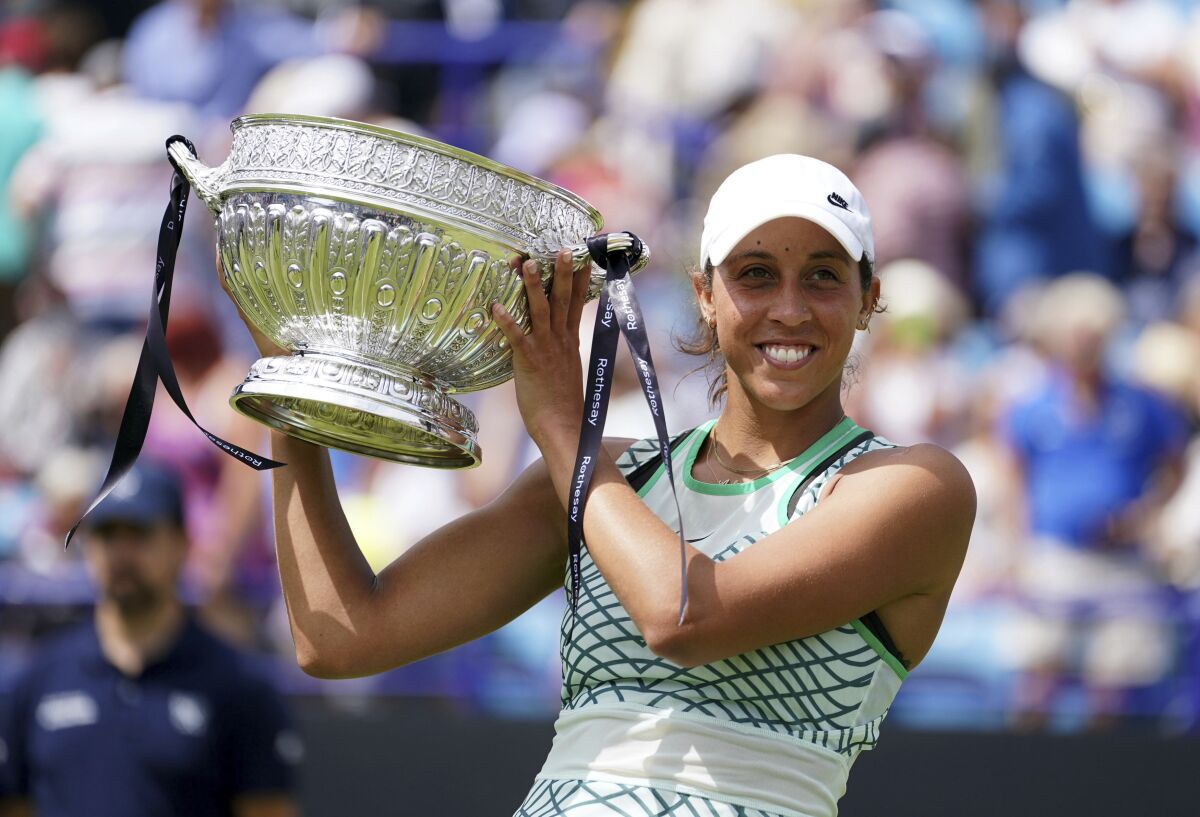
column 837, row 201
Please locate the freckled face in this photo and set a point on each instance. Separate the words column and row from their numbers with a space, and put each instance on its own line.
column 786, row 302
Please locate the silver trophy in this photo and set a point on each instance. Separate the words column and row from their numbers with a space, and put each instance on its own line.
column 374, row 256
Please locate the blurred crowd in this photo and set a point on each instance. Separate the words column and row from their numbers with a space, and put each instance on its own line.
column 1033, row 172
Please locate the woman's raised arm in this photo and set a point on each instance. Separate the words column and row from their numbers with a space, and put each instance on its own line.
column 464, row 580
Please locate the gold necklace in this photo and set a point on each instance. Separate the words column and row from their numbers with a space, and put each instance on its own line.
column 716, row 480
column 758, row 471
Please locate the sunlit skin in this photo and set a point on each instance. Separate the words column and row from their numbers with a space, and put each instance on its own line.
column 888, row 535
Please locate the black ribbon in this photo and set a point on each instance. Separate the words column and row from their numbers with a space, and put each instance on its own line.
column 155, row 362
column 618, row 314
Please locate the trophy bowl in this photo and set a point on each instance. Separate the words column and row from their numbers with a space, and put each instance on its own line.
column 373, row 257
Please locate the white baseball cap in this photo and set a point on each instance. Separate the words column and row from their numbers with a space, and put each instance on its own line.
column 786, row 185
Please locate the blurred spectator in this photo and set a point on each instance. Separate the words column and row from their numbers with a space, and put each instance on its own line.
column 337, row 85
column 61, row 404
column 1036, row 218
column 995, row 548
column 1159, row 253
column 96, row 183
column 1127, row 39
column 679, row 66
column 920, row 202
column 413, row 87
column 142, row 711
column 1166, row 358
column 50, row 43
column 915, row 183
column 1098, row 457
column 913, row 388
column 36, row 417
column 19, row 128
column 794, row 104
column 62, row 485
column 689, row 58
column 328, row 85
column 230, row 46
column 1187, row 76
column 1178, row 533
column 540, row 130
column 63, row 32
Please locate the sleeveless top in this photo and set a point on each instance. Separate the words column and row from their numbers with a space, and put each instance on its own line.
column 775, row 728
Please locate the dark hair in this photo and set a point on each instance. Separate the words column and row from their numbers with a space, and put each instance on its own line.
column 704, row 343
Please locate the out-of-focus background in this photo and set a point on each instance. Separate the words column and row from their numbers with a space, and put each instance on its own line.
column 1033, row 170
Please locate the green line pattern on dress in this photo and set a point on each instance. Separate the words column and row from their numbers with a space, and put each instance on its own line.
column 811, row 689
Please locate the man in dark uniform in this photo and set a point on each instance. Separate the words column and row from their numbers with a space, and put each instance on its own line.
column 142, row 711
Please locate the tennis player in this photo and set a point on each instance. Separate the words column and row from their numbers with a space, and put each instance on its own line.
column 846, row 546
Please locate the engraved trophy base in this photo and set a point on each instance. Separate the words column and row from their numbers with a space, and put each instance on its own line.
column 387, row 412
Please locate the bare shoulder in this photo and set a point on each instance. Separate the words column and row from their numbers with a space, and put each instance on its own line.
column 921, row 487
column 926, row 466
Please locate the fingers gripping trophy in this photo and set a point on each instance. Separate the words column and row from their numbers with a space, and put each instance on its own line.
column 372, row 258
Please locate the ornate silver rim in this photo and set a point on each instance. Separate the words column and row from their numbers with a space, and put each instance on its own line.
column 433, row 146
column 341, row 160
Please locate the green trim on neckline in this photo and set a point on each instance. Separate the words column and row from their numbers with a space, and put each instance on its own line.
column 781, row 510
column 877, row 645
column 815, row 453
column 662, row 466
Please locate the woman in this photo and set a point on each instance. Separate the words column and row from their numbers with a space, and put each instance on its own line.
column 789, row 655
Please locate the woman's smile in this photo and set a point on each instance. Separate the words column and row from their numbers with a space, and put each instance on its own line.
column 786, row 356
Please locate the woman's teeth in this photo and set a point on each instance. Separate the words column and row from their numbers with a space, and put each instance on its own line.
column 787, row 354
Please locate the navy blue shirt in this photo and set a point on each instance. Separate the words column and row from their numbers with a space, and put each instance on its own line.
column 196, row 729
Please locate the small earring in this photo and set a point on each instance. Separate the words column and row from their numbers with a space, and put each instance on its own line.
column 864, row 324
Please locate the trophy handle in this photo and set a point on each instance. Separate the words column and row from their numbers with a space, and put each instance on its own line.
column 616, row 242
column 206, row 181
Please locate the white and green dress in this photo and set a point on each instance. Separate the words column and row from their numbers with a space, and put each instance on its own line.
column 769, row 733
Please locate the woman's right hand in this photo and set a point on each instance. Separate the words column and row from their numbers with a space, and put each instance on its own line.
column 266, row 346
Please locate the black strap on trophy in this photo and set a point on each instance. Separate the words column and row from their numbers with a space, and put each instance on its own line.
column 618, row 314
column 155, row 362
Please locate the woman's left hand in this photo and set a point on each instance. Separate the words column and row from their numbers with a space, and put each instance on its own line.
column 546, row 365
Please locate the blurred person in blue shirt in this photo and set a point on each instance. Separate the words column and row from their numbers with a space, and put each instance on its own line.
column 143, row 711
column 1097, row 457
column 1036, row 221
column 229, row 46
